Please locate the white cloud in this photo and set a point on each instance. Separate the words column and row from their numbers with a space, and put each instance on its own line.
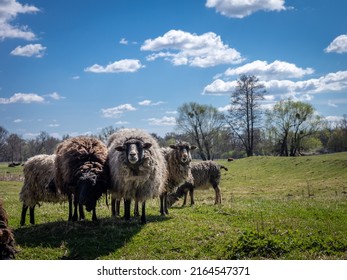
column 36, row 50
column 171, row 112
column 333, row 120
column 149, row 103
column 121, row 123
column 225, row 108
column 55, row 96
column 164, row 121
column 117, row 111
column 54, row 125
column 145, row 102
column 304, row 90
column 338, row 45
column 286, row 88
column 30, row 135
column 9, row 10
column 184, row 48
column 275, row 70
column 55, row 135
column 124, row 65
column 123, row 41
column 331, row 104
column 243, row 8
column 76, row 77
column 220, row 87
column 269, row 97
column 17, row 120
column 23, row 98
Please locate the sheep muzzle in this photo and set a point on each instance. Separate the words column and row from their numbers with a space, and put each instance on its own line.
column 87, row 190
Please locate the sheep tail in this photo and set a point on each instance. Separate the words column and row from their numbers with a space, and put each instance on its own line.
column 223, row 167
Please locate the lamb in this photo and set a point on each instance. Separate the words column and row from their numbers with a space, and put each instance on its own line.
column 205, row 173
column 137, row 169
column 7, row 241
column 82, row 173
column 38, row 185
column 178, row 159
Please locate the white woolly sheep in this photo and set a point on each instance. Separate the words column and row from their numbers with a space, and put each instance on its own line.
column 205, row 174
column 178, row 159
column 38, row 185
column 82, row 173
column 137, row 169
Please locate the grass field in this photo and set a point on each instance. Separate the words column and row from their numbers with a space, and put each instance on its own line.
column 272, row 208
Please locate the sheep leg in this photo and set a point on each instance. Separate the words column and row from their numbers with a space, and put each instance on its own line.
column 70, row 207
column 117, row 207
column 143, row 215
column 191, row 194
column 32, row 215
column 94, row 218
column 24, row 212
column 166, row 207
column 218, row 198
column 75, row 204
column 162, row 204
column 113, row 207
column 81, row 212
column 185, row 198
column 127, row 205
column 136, row 209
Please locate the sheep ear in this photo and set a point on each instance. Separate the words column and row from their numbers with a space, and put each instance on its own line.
column 147, row 145
column 193, row 147
column 120, row 148
column 173, row 147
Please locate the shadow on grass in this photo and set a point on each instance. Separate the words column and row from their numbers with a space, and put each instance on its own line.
column 83, row 240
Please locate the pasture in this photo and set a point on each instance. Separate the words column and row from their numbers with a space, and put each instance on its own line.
column 272, row 208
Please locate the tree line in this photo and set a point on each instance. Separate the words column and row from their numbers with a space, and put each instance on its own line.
column 290, row 128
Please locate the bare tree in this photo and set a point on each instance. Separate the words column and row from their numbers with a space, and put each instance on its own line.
column 202, row 123
column 15, row 147
column 106, row 132
column 244, row 113
column 293, row 121
column 41, row 144
column 3, row 144
column 337, row 140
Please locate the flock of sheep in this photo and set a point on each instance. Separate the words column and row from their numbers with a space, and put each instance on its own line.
column 130, row 167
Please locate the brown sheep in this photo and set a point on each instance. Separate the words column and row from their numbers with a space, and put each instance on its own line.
column 82, row 173
column 7, row 242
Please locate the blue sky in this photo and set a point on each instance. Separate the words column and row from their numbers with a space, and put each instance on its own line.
column 75, row 67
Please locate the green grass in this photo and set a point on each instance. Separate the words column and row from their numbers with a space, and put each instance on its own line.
column 273, row 208
column 10, row 173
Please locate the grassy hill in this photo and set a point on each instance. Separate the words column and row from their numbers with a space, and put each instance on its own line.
column 272, row 208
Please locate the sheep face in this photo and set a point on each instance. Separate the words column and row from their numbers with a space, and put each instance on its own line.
column 183, row 151
column 89, row 192
column 134, row 150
